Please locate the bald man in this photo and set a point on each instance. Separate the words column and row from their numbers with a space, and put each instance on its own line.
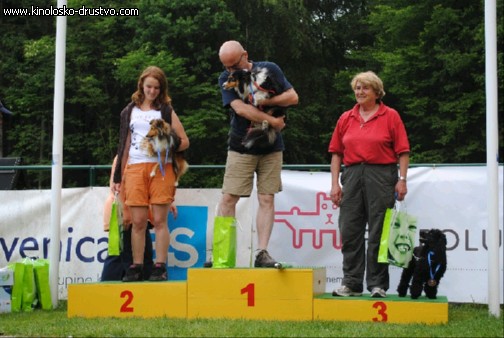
column 242, row 163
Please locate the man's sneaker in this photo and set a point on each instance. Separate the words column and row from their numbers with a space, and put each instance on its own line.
column 345, row 291
column 264, row 260
column 134, row 273
column 378, row 293
column 158, row 273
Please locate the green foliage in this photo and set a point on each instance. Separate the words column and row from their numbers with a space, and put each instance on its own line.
column 430, row 55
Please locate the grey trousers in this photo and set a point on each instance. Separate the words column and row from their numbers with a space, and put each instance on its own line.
column 368, row 190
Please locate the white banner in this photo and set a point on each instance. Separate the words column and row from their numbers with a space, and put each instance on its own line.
column 452, row 199
column 306, row 233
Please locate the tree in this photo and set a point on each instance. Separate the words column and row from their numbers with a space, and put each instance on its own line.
column 430, row 56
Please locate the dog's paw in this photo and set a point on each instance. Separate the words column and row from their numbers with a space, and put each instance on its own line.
column 430, row 292
column 415, row 290
column 401, row 291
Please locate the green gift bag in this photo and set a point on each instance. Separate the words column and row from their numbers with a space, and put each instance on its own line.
column 398, row 237
column 41, row 270
column 17, row 288
column 115, row 224
column 224, row 242
column 29, row 299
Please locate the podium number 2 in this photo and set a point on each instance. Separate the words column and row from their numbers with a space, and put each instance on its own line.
column 382, row 308
column 249, row 290
column 129, row 298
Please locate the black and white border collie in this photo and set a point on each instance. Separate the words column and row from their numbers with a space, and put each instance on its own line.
column 253, row 87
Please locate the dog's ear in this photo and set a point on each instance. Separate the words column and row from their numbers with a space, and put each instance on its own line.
column 436, row 237
column 157, row 123
column 248, row 75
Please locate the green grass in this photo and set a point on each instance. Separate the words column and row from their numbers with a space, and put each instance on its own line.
column 465, row 320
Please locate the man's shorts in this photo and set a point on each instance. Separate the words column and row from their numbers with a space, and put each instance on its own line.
column 143, row 190
column 240, row 169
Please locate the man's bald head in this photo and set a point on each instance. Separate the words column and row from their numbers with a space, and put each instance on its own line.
column 232, row 46
column 233, row 56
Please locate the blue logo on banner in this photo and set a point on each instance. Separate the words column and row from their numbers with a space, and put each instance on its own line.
column 187, row 240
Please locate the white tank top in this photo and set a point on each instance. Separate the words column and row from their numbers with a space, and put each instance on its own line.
column 139, row 127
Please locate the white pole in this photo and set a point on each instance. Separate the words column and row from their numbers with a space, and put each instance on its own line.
column 57, row 153
column 492, row 157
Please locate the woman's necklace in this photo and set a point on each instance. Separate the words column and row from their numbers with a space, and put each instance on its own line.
column 365, row 116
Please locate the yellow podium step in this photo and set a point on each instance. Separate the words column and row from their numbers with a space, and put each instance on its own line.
column 263, row 294
column 268, row 294
column 117, row 299
column 393, row 309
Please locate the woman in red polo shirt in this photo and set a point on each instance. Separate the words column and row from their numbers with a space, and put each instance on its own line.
column 370, row 140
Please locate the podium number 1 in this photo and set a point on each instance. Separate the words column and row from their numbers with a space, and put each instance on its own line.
column 249, row 290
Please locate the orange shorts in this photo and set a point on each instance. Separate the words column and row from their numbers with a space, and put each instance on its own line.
column 143, row 190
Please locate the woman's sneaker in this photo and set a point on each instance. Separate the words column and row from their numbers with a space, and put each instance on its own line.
column 378, row 293
column 134, row 273
column 158, row 273
column 345, row 291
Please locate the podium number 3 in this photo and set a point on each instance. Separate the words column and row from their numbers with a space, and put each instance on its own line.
column 249, row 290
column 382, row 308
column 129, row 298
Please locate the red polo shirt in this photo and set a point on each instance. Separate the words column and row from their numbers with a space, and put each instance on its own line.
column 380, row 140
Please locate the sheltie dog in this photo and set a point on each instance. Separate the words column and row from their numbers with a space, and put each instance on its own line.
column 160, row 142
column 253, row 87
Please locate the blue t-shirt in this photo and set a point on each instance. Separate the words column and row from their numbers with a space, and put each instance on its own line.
column 239, row 125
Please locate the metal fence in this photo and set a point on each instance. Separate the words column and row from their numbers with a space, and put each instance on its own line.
column 92, row 170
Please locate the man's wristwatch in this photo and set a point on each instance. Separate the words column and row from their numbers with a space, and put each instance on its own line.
column 402, row 178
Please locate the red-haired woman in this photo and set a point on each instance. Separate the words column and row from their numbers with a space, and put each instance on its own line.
column 150, row 101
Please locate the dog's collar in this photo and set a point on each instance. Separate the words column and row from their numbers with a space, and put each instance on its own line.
column 264, row 89
column 258, row 86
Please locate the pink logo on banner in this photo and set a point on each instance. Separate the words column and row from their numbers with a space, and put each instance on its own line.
column 317, row 224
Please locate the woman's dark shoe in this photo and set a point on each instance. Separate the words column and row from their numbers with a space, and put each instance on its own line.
column 158, row 273
column 134, row 273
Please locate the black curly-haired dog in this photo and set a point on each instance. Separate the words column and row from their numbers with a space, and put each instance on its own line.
column 427, row 267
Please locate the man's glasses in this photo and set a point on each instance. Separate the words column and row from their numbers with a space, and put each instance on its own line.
column 234, row 66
